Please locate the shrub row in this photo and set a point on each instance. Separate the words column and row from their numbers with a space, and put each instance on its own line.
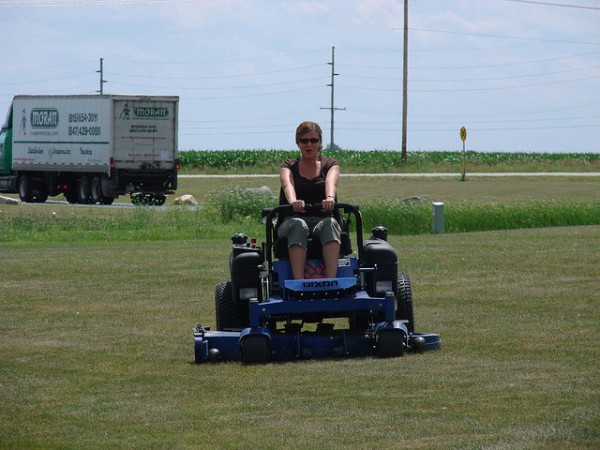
column 238, row 209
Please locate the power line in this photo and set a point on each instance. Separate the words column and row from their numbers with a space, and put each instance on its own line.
column 69, row 77
column 37, row 3
column 475, row 89
column 263, row 94
column 205, row 62
column 453, row 128
column 214, row 88
column 562, row 5
column 479, row 66
column 503, row 36
column 70, row 89
column 462, row 80
column 221, row 76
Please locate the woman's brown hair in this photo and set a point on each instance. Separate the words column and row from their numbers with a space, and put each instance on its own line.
column 307, row 126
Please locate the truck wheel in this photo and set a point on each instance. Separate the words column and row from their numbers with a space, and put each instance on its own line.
column 25, row 191
column 404, row 302
column 41, row 196
column 230, row 314
column 96, row 191
column 83, row 190
column 107, row 200
column 136, row 198
column 159, row 200
column 71, row 195
column 39, row 191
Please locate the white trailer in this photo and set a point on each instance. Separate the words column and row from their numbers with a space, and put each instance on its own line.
column 91, row 148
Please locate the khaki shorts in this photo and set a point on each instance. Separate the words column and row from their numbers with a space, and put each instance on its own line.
column 298, row 229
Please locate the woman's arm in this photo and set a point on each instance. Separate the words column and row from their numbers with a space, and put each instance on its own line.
column 331, row 181
column 287, row 184
column 333, row 175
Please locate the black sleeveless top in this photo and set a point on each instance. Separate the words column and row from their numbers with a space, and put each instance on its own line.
column 311, row 191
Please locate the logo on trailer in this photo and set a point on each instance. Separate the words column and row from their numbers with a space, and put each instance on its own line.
column 43, row 118
column 144, row 112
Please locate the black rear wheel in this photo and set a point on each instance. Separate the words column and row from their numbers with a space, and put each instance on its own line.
column 230, row 314
column 404, row 302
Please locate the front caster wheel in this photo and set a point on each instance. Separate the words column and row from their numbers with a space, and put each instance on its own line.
column 391, row 343
column 256, row 349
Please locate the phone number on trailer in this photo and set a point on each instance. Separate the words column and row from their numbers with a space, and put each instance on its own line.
column 85, row 131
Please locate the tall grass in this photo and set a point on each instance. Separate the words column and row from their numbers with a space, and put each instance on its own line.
column 140, row 224
column 415, row 218
column 238, row 209
column 237, row 203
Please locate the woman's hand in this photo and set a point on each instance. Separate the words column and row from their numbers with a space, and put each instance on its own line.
column 298, row 206
column 327, row 204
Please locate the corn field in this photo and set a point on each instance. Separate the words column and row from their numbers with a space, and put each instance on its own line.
column 382, row 161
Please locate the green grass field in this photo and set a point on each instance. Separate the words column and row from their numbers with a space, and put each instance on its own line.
column 98, row 305
column 97, row 351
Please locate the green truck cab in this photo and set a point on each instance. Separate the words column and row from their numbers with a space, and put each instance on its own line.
column 6, row 147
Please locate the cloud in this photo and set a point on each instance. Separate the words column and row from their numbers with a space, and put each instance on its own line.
column 387, row 13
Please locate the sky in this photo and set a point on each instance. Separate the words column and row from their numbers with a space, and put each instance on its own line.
column 520, row 76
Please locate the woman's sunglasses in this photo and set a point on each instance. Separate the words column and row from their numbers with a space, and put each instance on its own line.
column 311, row 140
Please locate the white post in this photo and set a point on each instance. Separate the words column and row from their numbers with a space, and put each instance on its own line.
column 437, row 218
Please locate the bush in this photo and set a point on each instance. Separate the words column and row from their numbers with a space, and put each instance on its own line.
column 238, row 203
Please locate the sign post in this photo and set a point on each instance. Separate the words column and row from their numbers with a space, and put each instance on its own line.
column 463, row 138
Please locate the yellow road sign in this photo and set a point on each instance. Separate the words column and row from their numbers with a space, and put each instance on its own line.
column 463, row 134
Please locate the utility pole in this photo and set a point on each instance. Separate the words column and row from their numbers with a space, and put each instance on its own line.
column 102, row 80
column 332, row 108
column 405, row 82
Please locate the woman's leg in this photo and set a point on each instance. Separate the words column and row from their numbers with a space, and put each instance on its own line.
column 297, row 261
column 328, row 231
column 331, row 253
column 296, row 231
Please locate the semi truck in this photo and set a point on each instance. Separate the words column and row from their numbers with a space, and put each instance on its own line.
column 90, row 148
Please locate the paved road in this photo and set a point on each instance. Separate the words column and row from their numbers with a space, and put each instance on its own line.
column 114, row 205
column 419, row 175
